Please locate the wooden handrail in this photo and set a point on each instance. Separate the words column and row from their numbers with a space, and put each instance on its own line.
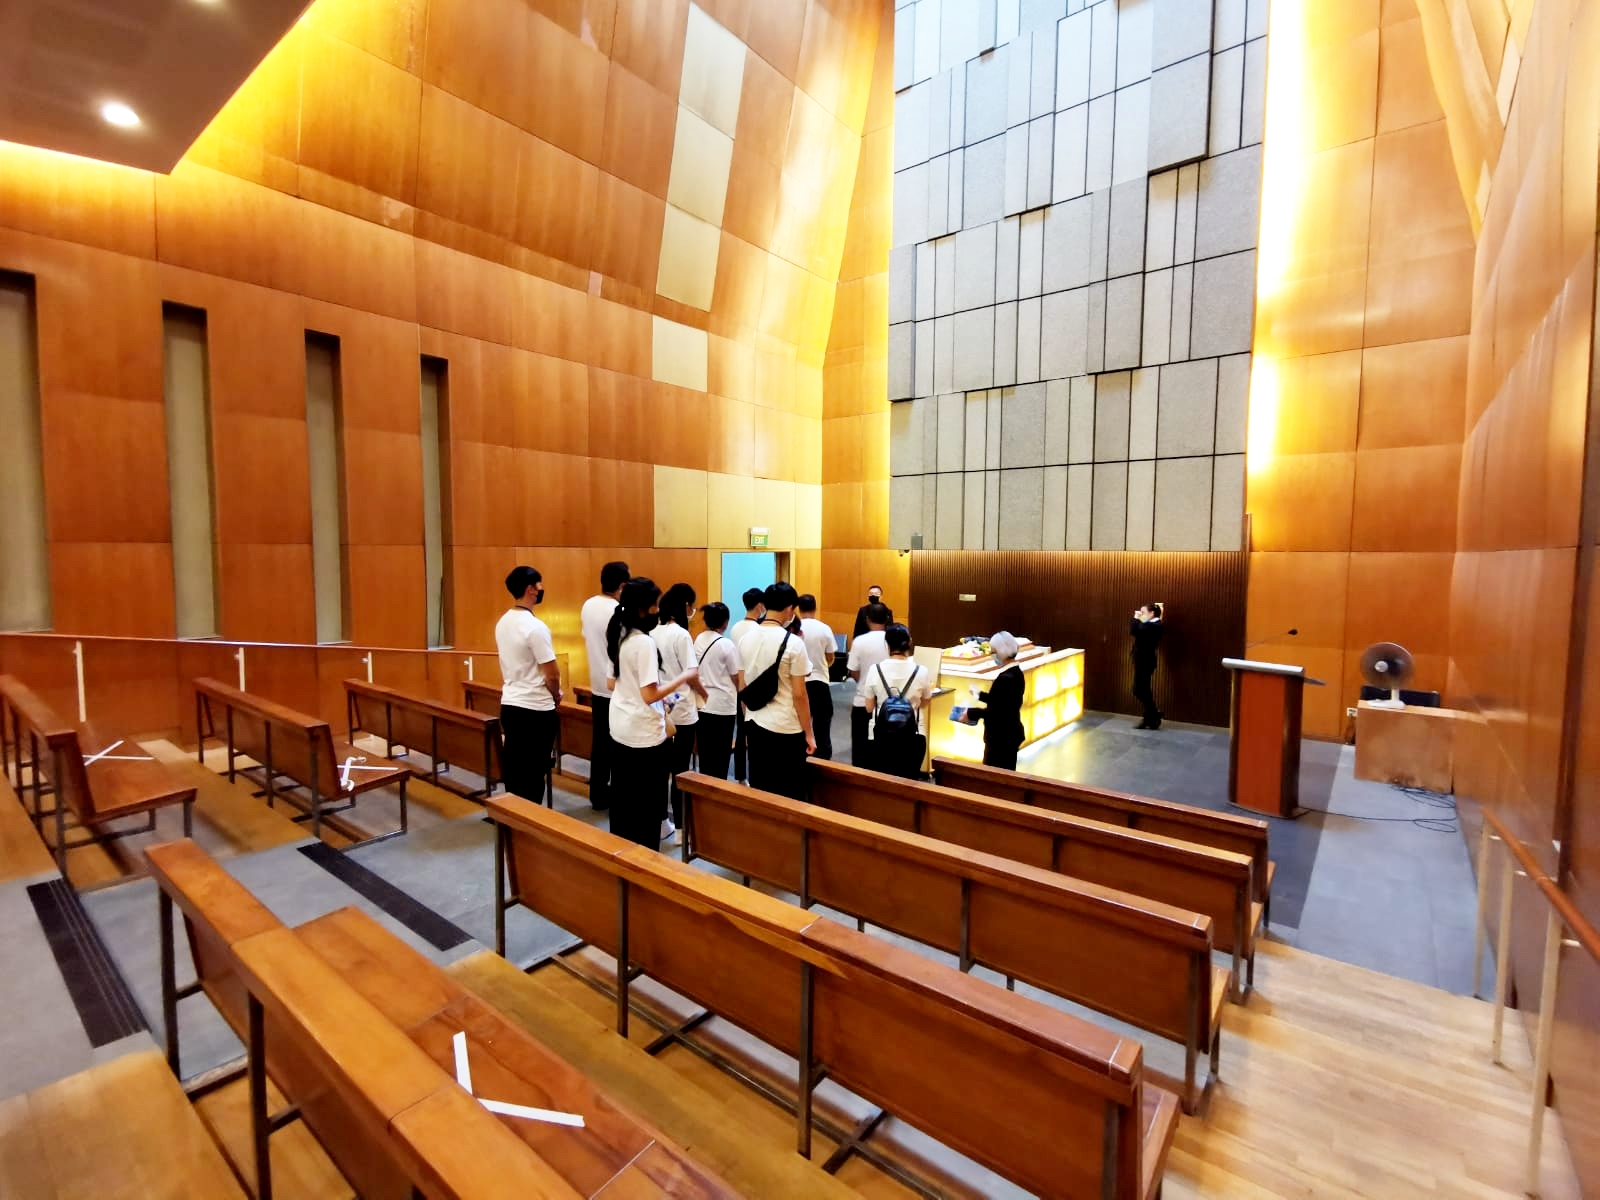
column 1588, row 937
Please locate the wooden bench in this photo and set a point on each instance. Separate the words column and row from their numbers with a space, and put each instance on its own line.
column 358, row 1030
column 447, row 735
column 1198, row 878
column 96, row 790
column 1133, row 959
column 1054, row 1104
column 121, row 1128
column 291, row 746
column 1187, row 822
column 574, row 732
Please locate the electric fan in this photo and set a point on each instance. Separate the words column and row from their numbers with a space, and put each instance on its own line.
column 1388, row 666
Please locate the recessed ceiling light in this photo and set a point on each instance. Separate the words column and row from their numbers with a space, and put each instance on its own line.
column 115, row 112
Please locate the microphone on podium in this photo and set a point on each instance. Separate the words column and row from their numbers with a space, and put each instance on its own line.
column 1287, row 633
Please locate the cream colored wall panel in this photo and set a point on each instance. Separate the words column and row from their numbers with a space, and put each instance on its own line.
column 678, row 354
column 688, row 268
column 713, row 71
column 702, row 156
column 730, row 508
column 24, row 548
column 680, row 506
column 772, row 506
column 807, row 516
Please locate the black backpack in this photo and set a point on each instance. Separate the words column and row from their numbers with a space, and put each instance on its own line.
column 896, row 718
column 761, row 690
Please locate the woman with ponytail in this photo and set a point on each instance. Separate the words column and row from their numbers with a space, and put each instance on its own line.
column 638, row 723
column 676, row 650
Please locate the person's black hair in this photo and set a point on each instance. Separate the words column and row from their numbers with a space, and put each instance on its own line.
column 1155, row 607
column 752, row 598
column 877, row 586
column 520, row 580
column 807, row 603
column 898, row 638
column 612, row 576
column 715, row 615
column 780, row 596
column 878, row 614
column 633, row 606
column 677, row 602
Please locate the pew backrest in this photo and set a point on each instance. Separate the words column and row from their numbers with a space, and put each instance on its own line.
column 1199, row 878
column 443, row 732
column 1047, row 929
column 1223, row 831
column 1045, row 1099
column 293, row 743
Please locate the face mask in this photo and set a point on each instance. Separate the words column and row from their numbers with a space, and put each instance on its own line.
column 538, row 597
column 874, row 600
column 648, row 622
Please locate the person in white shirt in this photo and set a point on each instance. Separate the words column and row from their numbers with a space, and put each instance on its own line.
column 723, row 679
column 820, row 648
column 530, row 690
column 780, row 732
column 594, row 617
column 639, row 755
column 676, row 649
column 754, row 610
column 866, row 652
column 899, row 675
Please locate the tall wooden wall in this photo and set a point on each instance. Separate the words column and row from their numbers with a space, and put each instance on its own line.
column 1363, row 307
column 622, row 223
column 1525, row 648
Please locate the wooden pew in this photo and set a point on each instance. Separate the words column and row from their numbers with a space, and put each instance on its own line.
column 123, row 1127
column 96, row 791
column 1198, row 878
column 1133, row 959
column 574, row 733
column 357, row 1031
column 1053, row 1103
column 293, row 746
column 1190, row 823
column 444, row 733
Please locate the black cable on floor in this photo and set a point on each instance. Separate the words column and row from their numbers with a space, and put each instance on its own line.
column 1448, row 824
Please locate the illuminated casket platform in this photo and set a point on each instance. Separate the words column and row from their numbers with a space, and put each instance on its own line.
column 1053, row 696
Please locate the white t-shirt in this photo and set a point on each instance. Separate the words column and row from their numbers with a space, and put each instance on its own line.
column 896, row 671
column 677, row 656
column 866, row 652
column 820, row 643
column 719, row 663
column 524, row 644
column 633, row 722
column 594, row 617
column 740, row 630
column 762, row 647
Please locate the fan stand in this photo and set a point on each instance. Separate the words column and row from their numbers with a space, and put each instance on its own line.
column 1393, row 701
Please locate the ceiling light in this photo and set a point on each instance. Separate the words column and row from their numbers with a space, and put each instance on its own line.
column 115, row 112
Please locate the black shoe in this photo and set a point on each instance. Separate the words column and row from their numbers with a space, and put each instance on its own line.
column 1156, row 724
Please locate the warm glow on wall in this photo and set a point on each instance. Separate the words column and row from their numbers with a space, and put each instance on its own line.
column 1283, row 180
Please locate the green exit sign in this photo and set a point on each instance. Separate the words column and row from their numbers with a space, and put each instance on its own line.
column 758, row 537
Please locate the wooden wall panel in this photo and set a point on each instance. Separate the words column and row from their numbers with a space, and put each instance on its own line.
column 1363, row 311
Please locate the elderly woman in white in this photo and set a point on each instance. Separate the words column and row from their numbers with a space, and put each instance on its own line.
column 1001, row 710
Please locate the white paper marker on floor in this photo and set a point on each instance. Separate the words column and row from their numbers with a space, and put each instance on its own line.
column 464, row 1078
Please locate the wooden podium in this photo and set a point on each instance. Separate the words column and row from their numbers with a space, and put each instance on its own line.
column 1264, row 749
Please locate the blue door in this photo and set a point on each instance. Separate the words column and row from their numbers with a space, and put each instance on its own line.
column 741, row 571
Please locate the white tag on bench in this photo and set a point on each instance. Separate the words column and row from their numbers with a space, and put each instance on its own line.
column 464, row 1078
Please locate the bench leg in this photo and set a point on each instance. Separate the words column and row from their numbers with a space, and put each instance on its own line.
column 1191, row 1053
column 61, row 836
column 499, row 889
column 405, row 820
column 806, row 1076
column 169, row 981
column 188, row 818
column 260, row 1125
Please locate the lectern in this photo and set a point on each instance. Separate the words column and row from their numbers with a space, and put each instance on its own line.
column 1264, row 749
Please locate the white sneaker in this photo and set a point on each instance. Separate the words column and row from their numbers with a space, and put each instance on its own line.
column 669, row 832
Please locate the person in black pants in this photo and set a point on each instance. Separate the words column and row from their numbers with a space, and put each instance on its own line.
column 1001, row 710
column 1146, row 628
column 593, row 619
column 531, row 688
column 723, row 678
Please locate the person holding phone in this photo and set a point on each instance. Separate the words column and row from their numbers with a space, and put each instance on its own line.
column 1001, row 710
column 1146, row 628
